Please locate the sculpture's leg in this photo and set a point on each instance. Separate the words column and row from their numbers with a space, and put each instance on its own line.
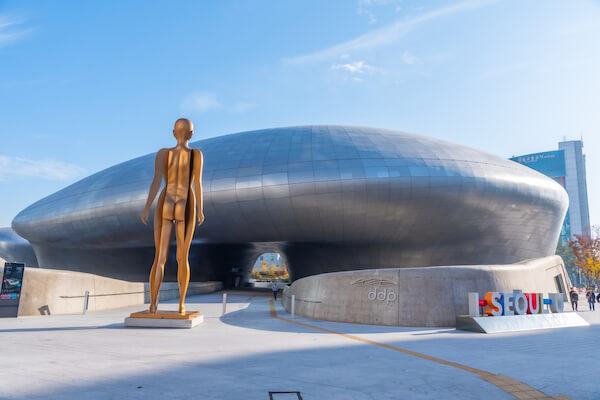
column 157, row 231
column 183, row 271
column 153, row 306
column 184, row 241
column 162, row 251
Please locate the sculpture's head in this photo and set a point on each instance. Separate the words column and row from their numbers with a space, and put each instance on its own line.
column 183, row 130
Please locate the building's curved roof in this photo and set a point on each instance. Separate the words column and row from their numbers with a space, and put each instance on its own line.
column 13, row 248
column 336, row 184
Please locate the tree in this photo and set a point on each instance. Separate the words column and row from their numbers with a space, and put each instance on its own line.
column 274, row 269
column 586, row 253
column 255, row 274
column 566, row 253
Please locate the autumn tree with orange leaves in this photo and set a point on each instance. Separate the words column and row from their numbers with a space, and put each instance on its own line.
column 586, row 250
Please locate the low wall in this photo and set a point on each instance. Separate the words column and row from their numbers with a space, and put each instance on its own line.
column 48, row 291
column 428, row 296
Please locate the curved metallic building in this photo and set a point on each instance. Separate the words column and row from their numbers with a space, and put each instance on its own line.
column 328, row 198
column 13, row 248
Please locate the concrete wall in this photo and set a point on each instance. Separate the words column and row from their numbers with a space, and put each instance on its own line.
column 48, row 291
column 430, row 296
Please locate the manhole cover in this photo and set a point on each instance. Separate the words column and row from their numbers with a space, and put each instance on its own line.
column 285, row 396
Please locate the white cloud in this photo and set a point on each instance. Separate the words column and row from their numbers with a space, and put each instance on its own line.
column 386, row 35
column 11, row 167
column 365, row 7
column 368, row 3
column 10, row 30
column 200, row 102
column 241, row 107
column 408, row 58
column 357, row 67
column 370, row 15
column 354, row 67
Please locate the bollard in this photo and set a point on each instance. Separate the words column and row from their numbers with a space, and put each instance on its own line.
column 293, row 305
column 85, row 301
column 224, row 304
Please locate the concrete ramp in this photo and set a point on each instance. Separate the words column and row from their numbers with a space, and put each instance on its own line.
column 49, row 291
column 513, row 323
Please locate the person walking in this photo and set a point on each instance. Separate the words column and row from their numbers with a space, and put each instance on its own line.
column 591, row 299
column 275, row 288
column 574, row 298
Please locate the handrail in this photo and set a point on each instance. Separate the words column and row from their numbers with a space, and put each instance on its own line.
column 101, row 295
column 303, row 300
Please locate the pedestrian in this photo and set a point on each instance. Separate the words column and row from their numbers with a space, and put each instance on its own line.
column 591, row 298
column 574, row 298
column 275, row 288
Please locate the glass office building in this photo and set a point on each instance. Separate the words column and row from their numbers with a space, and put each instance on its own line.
column 567, row 167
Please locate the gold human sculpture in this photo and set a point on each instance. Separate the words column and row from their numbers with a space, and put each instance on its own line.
column 178, row 204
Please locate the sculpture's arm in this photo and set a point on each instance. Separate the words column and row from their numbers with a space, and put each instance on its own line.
column 198, row 164
column 159, row 173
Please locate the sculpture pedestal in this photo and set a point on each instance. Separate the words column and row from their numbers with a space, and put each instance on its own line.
column 164, row 319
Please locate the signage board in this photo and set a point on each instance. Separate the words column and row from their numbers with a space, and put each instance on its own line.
column 550, row 163
column 10, row 291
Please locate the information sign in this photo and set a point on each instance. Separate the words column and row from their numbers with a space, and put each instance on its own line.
column 10, row 292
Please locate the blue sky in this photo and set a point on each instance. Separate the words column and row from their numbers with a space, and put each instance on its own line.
column 85, row 85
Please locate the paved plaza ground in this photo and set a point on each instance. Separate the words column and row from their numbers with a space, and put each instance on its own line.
column 257, row 349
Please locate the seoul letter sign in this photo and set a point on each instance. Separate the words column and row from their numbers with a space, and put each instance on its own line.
column 515, row 303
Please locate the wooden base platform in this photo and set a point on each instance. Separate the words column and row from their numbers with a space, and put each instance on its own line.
column 164, row 319
column 165, row 314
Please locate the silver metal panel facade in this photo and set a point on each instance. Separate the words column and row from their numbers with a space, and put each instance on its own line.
column 329, row 198
column 13, row 248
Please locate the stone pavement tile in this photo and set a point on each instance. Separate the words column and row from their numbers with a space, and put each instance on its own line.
column 522, row 396
column 521, row 387
column 540, row 395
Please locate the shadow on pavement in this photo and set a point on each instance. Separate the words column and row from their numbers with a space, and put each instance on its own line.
column 354, row 372
column 253, row 317
column 65, row 328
